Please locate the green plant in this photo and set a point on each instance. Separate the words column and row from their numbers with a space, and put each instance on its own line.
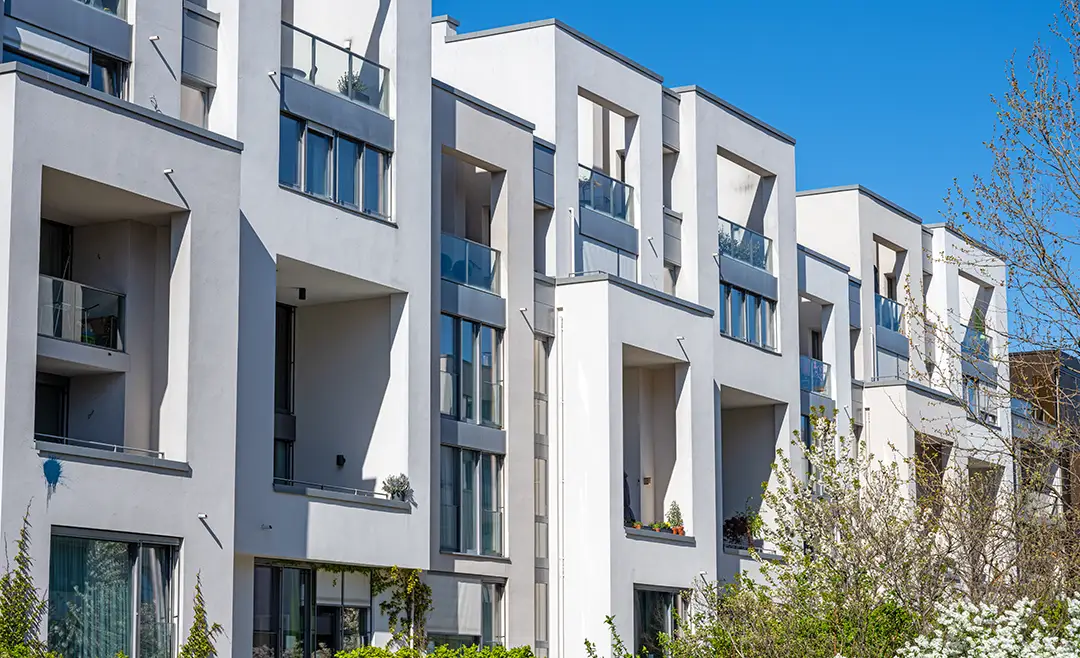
column 22, row 608
column 674, row 514
column 350, row 84
column 201, row 635
column 407, row 608
column 397, row 487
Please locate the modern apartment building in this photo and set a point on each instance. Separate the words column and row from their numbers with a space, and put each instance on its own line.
column 289, row 251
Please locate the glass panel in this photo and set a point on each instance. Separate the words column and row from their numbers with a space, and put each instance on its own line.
column 354, row 624
column 767, row 319
column 193, row 105
column 81, row 314
column 155, row 615
column 50, row 408
column 722, row 311
column 468, row 370
column 107, row 75
column 90, row 597
column 469, row 263
column 541, row 528
column 491, row 614
column 976, row 344
column 331, row 70
column 652, row 616
column 283, row 359
column 745, row 245
column 598, row 257
column 317, row 164
column 448, row 491
column 889, row 313
column 490, row 400
column 283, row 454
column 327, row 627
column 290, row 132
column 376, row 182
column 627, row 265
column 540, row 486
column 348, row 165
column 13, row 56
column 448, row 383
column 264, row 637
column 753, row 317
column 116, row 7
column 294, row 611
column 491, row 505
column 738, row 324
column 541, row 612
column 604, row 194
column 468, row 501
column 296, row 54
column 814, row 376
column 55, row 250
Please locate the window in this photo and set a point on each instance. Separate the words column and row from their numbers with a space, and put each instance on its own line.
column 746, row 316
column 107, row 75
column 977, row 395
column 194, row 105
column 281, row 608
column 106, row 595
column 284, row 332
column 540, row 492
column 470, row 370
column 317, row 167
column 654, row 613
column 491, row 617
column 333, row 167
column 472, row 501
column 55, row 249
column 11, row 55
column 342, row 612
column 51, row 406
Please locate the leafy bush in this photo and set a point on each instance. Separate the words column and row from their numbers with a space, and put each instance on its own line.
column 440, row 652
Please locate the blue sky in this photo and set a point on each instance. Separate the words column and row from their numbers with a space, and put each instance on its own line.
column 894, row 96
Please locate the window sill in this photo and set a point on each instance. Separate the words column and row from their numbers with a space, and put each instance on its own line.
column 489, row 426
column 476, row 556
column 107, row 458
column 370, row 502
column 659, row 537
column 767, row 350
column 333, row 204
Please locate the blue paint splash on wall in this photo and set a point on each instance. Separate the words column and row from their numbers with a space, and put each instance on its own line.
column 53, row 470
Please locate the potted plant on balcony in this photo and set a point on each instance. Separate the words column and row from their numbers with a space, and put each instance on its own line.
column 396, row 487
column 674, row 519
column 741, row 530
column 350, row 84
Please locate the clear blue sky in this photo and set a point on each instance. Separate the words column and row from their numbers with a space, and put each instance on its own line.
column 894, row 96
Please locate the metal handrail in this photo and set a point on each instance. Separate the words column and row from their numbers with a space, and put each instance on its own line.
column 83, row 285
column 334, row 45
column 98, row 445
column 331, row 487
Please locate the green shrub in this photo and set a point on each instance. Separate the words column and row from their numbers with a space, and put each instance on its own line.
column 442, row 651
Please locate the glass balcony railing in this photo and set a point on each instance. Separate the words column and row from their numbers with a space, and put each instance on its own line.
column 305, row 56
column 889, row 313
column 469, row 263
column 491, row 532
column 745, row 245
column 604, row 194
column 814, row 376
column 80, row 314
column 977, row 345
column 115, row 7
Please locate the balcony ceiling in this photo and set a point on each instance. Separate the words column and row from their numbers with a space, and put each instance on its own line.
column 76, row 201
column 734, row 398
column 323, row 286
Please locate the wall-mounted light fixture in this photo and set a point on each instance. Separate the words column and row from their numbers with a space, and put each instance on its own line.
column 154, row 38
column 301, row 293
column 340, row 461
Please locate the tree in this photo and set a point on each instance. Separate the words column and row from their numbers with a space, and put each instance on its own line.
column 201, row 635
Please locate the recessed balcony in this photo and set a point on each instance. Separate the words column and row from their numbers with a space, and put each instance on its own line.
column 469, row 263
column 815, row 376
column 79, row 313
column 604, row 194
column 889, row 313
column 744, row 245
column 977, row 345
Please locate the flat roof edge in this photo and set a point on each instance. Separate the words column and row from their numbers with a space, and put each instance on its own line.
column 446, row 18
column 835, row 264
column 966, row 238
column 635, row 287
column 580, row 36
column 868, row 192
column 43, row 79
column 742, row 114
column 484, row 106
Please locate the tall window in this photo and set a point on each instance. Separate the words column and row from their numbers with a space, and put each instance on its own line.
column 491, row 617
column 334, row 167
column 470, row 371
column 470, row 487
column 282, row 607
column 889, row 366
column 748, row 317
column 977, row 395
column 654, row 613
column 107, row 74
column 55, row 249
column 284, row 339
column 107, row 595
column 540, row 493
column 194, row 104
column 342, row 612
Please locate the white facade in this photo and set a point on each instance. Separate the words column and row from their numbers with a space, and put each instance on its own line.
column 286, row 253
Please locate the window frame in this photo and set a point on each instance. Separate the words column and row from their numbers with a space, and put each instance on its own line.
column 475, row 509
column 121, row 73
column 333, row 196
column 461, row 392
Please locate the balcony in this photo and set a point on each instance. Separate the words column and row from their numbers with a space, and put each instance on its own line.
column 115, row 7
column 98, row 445
column 814, row 376
column 469, row 263
column 889, row 313
column 80, row 314
column 977, row 345
column 305, row 56
column 604, row 194
column 745, row 245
